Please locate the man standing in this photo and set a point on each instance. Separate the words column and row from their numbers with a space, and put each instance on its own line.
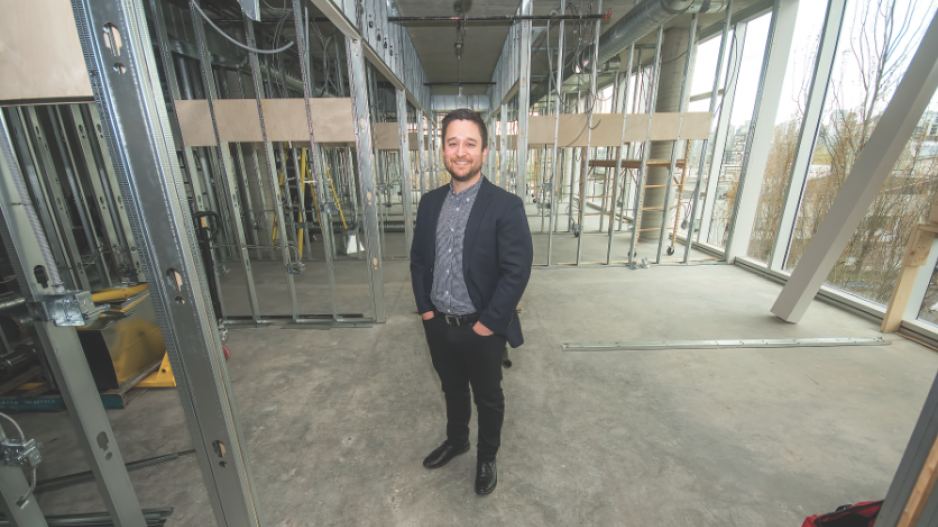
column 470, row 262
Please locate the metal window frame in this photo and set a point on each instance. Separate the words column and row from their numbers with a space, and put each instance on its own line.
column 762, row 128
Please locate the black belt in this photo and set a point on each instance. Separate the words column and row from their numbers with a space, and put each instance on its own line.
column 458, row 320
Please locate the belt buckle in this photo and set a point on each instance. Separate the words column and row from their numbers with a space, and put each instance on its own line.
column 454, row 318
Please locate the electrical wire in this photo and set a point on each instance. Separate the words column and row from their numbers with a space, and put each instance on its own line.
column 32, row 485
column 234, row 41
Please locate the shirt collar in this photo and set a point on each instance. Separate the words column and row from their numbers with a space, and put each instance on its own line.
column 469, row 193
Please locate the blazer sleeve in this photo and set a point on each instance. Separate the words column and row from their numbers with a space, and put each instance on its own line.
column 421, row 262
column 515, row 256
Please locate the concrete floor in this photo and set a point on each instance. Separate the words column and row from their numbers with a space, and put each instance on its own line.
column 337, row 422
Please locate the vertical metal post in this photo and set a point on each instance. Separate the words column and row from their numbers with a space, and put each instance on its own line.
column 620, row 156
column 777, row 50
column 99, row 197
column 584, row 176
column 113, row 190
column 807, row 138
column 84, row 215
column 13, row 485
column 224, row 155
column 503, row 149
column 54, row 186
column 321, row 187
column 28, row 248
column 30, row 163
column 719, row 140
column 363, row 147
column 421, row 152
column 705, row 145
column 676, row 147
column 646, row 147
column 405, row 170
column 276, row 196
column 524, row 98
column 129, row 98
column 557, row 175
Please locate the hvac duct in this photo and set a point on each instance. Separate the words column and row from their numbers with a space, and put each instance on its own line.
column 638, row 22
column 645, row 18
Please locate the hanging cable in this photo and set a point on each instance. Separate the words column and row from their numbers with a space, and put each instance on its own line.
column 32, row 484
column 234, row 41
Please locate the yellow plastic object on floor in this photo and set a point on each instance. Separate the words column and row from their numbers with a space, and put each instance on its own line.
column 161, row 378
column 117, row 293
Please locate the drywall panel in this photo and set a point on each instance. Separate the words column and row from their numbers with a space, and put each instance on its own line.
column 40, row 54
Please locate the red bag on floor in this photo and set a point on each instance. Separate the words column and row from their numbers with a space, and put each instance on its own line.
column 862, row 514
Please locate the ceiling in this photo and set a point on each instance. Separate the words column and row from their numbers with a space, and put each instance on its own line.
column 435, row 41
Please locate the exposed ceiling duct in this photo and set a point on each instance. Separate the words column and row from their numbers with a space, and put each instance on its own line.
column 645, row 18
column 636, row 24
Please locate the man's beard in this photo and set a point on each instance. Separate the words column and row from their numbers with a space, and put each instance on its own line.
column 467, row 177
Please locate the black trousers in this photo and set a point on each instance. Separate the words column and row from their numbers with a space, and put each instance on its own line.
column 463, row 358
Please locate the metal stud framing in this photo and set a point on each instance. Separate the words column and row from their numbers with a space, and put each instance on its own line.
column 29, row 249
column 128, row 94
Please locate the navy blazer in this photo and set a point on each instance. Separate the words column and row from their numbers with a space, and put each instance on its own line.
column 497, row 256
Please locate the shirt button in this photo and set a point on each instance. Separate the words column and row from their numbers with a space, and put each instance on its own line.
column 450, row 250
column 457, row 209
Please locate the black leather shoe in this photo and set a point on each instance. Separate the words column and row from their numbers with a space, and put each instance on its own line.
column 486, row 477
column 444, row 454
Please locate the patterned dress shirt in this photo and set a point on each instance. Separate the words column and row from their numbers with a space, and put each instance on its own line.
column 449, row 293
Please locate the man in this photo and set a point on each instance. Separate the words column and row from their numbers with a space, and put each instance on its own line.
column 470, row 262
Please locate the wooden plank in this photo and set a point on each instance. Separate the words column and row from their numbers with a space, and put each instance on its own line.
column 922, row 490
column 916, row 254
column 238, row 122
column 285, row 120
column 635, row 163
column 387, row 137
column 195, row 123
column 40, row 54
column 607, row 128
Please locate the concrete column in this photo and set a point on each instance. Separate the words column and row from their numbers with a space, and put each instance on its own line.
column 673, row 47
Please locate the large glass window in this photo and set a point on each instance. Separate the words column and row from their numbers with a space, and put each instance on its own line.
column 788, row 121
column 747, row 84
column 877, row 42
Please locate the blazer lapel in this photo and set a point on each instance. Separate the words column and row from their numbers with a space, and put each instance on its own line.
column 475, row 217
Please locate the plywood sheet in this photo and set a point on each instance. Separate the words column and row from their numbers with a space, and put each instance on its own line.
column 512, row 142
column 285, row 120
column 40, row 54
column 607, row 128
column 195, row 123
column 237, row 120
column 388, row 138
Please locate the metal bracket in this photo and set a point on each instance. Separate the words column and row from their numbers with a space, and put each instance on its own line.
column 72, row 308
column 330, row 207
column 16, row 453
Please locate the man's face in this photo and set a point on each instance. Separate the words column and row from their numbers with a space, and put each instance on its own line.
column 463, row 151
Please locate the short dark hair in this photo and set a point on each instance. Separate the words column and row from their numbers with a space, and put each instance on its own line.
column 465, row 114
